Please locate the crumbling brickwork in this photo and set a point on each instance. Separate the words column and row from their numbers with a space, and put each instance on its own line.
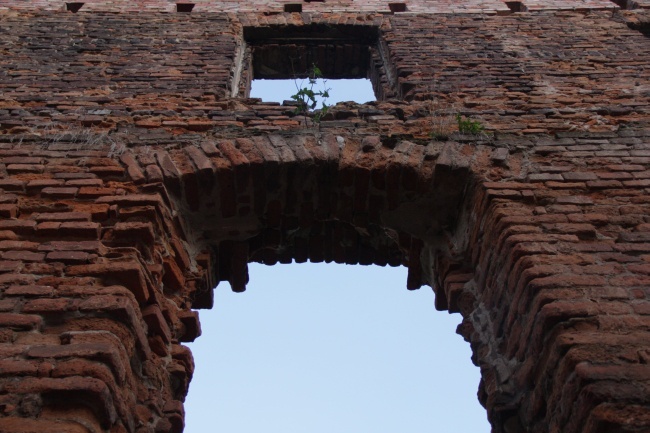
column 136, row 175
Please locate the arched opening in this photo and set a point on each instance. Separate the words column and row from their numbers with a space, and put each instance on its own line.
column 326, row 347
column 369, row 200
column 324, row 197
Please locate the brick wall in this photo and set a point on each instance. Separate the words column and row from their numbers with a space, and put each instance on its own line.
column 420, row 6
column 131, row 184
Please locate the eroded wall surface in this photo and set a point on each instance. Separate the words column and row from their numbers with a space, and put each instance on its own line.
column 132, row 182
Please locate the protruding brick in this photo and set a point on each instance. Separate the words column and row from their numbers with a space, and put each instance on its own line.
column 20, row 321
column 126, row 273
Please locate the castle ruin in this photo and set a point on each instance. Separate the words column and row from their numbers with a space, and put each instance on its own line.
column 136, row 174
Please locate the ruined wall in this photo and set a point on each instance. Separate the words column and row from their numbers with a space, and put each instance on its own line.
column 132, row 182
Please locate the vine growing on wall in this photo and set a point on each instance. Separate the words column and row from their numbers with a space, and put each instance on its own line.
column 308, row 96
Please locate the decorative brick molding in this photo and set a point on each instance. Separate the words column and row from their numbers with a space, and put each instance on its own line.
column 131, row 184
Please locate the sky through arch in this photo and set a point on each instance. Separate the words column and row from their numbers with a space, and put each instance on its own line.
column 316, row 348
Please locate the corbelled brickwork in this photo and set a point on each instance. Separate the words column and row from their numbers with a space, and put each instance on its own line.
column 135, row 175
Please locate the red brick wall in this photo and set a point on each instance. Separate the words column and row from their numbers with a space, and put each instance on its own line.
column 130, row 185
column 420, row 6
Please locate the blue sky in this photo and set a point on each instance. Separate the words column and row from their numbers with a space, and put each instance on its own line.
column 327, row 348
column 340, row 90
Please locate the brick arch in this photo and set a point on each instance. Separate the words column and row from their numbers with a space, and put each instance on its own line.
column 325, row 197
column 322, row 197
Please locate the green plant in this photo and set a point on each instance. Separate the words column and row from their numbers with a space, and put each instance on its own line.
column 307, row 96
column 467, row 126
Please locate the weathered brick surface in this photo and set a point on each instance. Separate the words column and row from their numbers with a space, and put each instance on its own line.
column 131, row 183
column 428, row 6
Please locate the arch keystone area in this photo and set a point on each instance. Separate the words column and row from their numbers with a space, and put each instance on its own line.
column 132, row 182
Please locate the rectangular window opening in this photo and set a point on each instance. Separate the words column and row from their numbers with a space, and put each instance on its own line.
column 516, row 6
column 73, row 7
column 625, row 4
column 184, row 7
column 278, row 60
column 397, row 7
column 293, row 7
